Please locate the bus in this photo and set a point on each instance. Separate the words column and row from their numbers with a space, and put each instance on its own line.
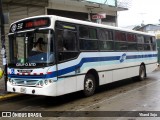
column 77, row 55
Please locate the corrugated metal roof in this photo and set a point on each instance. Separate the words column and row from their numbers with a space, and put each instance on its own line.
column 125, row 4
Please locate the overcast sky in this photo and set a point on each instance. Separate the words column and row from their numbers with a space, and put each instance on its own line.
column 146, row 11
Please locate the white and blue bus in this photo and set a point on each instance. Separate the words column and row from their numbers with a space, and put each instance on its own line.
column 76, row 55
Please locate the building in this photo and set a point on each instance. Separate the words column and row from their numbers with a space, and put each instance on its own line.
column 83, row 10
column 150, row 28
column 78, row 9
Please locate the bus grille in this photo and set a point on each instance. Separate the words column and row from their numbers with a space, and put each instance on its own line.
column 26, row 82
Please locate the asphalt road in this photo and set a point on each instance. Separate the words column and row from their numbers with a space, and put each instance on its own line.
column 128, row 95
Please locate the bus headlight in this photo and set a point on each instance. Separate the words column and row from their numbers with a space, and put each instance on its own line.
column 50, row 81
column 46, row 82
column 42, row 83
column 9, row 79
column 13, row 82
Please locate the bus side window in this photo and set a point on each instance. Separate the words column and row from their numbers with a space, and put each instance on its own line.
column 83, row 32
column 105, row 40
column 153, row 43
column 60, row 40
column 66, row 44
column 140, row 42
column 147, row 44
column 120, row 41
column 88, row 38
column 69, row 40
column 132, row 42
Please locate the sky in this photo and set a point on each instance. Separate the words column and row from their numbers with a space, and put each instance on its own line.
column 140, row 11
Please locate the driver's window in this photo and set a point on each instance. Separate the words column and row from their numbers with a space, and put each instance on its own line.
column 20, row 49
column 40, row 42
column 66, row 44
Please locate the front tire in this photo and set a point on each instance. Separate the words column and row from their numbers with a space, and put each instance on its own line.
column 89, row 85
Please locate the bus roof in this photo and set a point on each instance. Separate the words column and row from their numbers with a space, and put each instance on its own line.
column 70, row 20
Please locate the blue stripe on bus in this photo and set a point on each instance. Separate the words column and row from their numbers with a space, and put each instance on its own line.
column 141, row 56
column 85, row 60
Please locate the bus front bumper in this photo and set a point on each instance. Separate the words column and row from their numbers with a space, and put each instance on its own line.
column 48, row 90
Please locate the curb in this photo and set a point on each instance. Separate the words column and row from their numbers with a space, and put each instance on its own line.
column 8, row 96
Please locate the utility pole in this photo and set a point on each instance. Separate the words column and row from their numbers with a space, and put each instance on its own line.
column 3, row 51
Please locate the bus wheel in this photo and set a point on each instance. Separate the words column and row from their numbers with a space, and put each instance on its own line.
column 142, row 72
column 89, row 85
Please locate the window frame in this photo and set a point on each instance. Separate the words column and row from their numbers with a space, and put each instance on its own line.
column 119, row 40
column 131, row 42
column 107, row 40
column 140, row 43
column 87, row 39
column 148, row 44
column 58, row 52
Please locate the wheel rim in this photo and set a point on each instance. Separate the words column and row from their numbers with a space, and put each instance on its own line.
column 89, row 85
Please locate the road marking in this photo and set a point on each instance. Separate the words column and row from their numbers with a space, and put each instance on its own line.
column 6, row 96
column 118, row 95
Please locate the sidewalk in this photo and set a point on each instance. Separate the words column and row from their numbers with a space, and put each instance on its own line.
column 3, row 93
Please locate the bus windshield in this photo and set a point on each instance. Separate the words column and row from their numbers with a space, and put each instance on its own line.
column 31, row 48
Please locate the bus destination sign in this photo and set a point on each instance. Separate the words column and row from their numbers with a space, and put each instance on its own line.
column 30, row 24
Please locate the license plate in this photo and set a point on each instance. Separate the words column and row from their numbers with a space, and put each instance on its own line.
column 23, row 90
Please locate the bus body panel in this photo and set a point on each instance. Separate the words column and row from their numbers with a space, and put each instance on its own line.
column 105, row 77
column 151, row 67
column 109, row 71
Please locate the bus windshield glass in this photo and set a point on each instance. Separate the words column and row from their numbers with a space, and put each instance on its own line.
column 31, row 48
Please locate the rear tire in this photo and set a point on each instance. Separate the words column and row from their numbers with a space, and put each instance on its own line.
column 89, row 85
column 142, row 72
